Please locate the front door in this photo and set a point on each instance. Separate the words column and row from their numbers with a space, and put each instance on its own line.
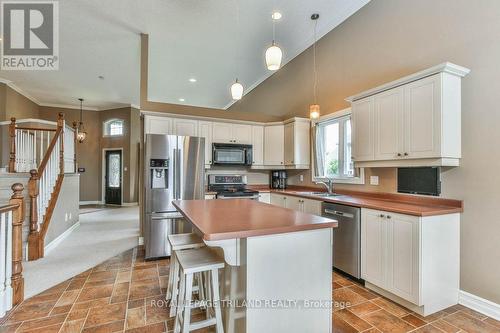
column 113, row 177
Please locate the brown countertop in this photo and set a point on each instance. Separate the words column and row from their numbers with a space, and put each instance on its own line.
column 242, row 218
column 391, row 202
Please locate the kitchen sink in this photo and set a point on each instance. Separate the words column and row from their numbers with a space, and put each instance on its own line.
column 320, row 194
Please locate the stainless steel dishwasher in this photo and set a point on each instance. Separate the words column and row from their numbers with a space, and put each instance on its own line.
column 346, row 237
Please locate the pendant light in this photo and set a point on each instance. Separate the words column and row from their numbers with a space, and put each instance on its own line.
column 314, row 110
column 237, row 90
column 274, row 53
column 81, row 134
column 237, row 87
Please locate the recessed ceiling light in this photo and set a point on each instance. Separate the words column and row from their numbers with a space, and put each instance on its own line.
column 276, row 15
column 192, row 79
column 182, row 100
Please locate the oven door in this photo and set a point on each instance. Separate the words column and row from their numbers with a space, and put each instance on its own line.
column 231, row 154
column 253, row 197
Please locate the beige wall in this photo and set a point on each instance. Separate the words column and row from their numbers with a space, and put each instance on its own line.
column 386, row 40
column 19, row 106
column 3, row 87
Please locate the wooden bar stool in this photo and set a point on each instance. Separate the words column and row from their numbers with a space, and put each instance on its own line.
column 179, row 242
column 191, row 262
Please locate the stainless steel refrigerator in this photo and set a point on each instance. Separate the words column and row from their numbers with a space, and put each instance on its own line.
column 173, row 169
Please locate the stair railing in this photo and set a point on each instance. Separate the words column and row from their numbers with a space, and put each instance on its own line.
column 43, row 188
column 11, row 278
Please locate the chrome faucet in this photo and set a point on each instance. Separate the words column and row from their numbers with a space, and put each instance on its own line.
column 328, row 184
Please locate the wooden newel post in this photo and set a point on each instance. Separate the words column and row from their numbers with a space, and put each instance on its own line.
column 60, row 124
column 17, row 243
column 75, row 129
column 33, row 237
column 12, row 137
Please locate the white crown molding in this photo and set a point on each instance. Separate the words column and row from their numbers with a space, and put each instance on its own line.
column 351, row 8
column 67, row 106
column 479, row 304
column 11, row 85
column 445, row 67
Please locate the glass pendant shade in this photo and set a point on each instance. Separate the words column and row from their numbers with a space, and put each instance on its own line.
column 81, row 133
column 314, row 111
column 273, row 57
column 237, row 90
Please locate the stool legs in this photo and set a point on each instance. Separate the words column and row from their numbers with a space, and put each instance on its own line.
column 188, row 293
column 175, row 281
column 216, row 300
column 171, row 276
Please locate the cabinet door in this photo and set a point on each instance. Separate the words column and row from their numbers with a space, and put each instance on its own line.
column 242, row 134
column 402, row 256
column 158, row 125
column 274, row 145
column 222, row 133
column 312, row 206
column 294, row 203
column 289, row 143
column 205, row 131
column 185, row 127
column 278, row 199
column 258, row 145
column 265, row 197
column 389, row 125
column 373, row 247
column 423, row 118
column 362, row 127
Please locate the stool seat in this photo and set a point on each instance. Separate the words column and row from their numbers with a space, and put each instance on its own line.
column 185, row 241
column 199, row 260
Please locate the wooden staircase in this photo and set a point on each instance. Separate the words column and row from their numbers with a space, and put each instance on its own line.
column 38, row 160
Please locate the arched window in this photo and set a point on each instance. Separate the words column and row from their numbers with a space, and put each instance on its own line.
column 113, row 127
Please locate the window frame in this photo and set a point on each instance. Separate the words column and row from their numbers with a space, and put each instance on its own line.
column 340, row 117
column 106, row 128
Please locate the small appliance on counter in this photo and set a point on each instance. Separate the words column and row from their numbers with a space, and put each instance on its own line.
column 278, row 179
column 231, row 187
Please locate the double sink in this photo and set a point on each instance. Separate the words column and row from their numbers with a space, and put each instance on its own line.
column 320, row 194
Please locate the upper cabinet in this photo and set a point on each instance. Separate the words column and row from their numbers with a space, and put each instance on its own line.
column 274, row 148
column 414, row 121
column 258, row 145
column 232, row 133
column 185, row 127
column 157, row 125
column 205, row 131
column 297, row 143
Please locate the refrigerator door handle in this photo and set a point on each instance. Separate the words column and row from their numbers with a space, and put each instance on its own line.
column 174, row 178
column 178, row 173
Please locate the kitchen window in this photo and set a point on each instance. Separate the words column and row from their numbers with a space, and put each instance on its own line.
column 333, row 149
column 113, row 127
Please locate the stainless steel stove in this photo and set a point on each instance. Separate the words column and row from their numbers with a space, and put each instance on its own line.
column 231, row 187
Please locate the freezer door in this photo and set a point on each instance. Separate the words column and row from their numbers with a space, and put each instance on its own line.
column 190, row 168
column 156, row 230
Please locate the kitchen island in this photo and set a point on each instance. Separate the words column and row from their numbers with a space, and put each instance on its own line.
column 278, row 276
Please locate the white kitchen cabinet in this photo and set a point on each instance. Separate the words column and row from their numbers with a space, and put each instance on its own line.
column 388, row 122
column 232, row 133
column 274, row 146
column 412, row 260
column 297, row 154
column 414, row 121
column 311, row 206
column 265, row 197
column 157, row 125
column 278, row 199
column 222, row 132
column 258, row 145
column 185, row 127
column 363, row 130
column 294, row 203
column 205, row 131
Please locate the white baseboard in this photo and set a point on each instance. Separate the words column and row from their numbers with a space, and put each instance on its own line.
column 83, row 203
column 128, row 204
column 479, row 304
column 52, row 245
column 141, row 240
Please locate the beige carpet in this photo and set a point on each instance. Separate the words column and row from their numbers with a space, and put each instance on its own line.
column 101, row 235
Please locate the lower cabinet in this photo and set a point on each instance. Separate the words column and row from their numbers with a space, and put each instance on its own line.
column 297, row 203
column 410, row 259
column 265, row 197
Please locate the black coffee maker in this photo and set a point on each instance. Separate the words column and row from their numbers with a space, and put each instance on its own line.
column 278, row 179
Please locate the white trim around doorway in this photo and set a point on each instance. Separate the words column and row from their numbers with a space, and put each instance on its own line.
column 103, row 173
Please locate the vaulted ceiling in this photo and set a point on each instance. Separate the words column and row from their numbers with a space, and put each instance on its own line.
column 212, row 41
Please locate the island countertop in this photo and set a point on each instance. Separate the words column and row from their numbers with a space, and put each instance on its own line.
column 243, row 218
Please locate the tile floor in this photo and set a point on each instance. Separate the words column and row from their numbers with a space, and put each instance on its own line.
column 119, row 295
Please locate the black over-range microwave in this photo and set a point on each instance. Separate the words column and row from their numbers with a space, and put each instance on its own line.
column 231, row 154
